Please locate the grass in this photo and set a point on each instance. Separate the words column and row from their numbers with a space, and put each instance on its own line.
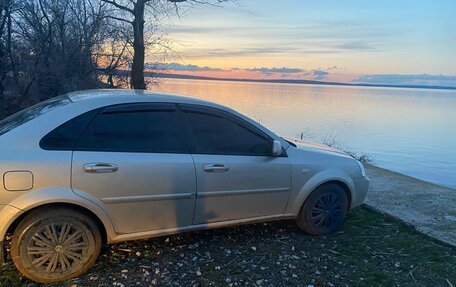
column 371, row 250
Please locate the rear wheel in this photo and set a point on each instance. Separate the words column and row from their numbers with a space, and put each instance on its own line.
column 53, row 245
column 324, row 211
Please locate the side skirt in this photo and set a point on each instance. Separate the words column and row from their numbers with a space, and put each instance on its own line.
column 171, row 231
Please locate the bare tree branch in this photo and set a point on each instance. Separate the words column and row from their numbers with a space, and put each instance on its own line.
column 121, row 7
column 119, row 19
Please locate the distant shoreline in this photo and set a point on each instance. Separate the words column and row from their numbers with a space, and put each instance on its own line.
column 302, row 82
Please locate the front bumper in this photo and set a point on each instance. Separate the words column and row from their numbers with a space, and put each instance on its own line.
column 361, row 188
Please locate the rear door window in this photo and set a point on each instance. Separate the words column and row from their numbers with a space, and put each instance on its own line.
column 152, row 128
column 66, row 135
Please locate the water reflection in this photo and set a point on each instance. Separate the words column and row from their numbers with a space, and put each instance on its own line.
column 412, row 131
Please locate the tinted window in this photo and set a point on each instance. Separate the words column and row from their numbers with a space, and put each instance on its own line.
column 31, row 113
column 215, row 134
column 66, row 135
column 135, row 129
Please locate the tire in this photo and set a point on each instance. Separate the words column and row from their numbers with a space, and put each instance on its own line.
column 53, row 245
column 324, row 211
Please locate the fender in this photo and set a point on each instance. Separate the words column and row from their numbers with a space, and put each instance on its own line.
column 51, row 195
column 318, row 179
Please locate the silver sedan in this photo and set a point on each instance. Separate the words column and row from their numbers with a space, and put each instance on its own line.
column 104, row 166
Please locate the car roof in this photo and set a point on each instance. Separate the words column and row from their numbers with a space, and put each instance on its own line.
column 135, row 96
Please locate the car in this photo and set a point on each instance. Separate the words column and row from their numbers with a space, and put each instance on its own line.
column 104, row 166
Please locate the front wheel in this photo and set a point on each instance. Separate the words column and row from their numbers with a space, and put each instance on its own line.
column 324, row 211
column 53, row 245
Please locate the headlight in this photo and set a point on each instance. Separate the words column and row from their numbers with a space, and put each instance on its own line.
column 361, row 167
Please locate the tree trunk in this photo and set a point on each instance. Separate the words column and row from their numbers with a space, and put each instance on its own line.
column 137, row 69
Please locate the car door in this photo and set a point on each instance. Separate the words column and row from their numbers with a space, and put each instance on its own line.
column 237, row 176
column 134, row 158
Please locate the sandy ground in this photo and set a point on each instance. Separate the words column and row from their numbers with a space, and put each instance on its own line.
column 428, row 207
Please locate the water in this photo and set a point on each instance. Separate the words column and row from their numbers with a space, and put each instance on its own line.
column 411, row 131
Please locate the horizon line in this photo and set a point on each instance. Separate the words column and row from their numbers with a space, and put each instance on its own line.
column 293, row 81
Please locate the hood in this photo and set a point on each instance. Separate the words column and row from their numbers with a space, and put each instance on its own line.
column 307, row 145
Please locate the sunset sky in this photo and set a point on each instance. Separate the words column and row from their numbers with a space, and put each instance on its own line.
column 392, row 42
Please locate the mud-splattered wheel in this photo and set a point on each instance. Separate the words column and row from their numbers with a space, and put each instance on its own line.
column 55, row 245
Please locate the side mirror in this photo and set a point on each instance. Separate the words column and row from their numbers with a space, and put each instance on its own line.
column 276, row 148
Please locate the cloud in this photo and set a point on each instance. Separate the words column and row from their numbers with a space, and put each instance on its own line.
column 283, row 70
column 357, row 46
column 314, row 38
column 320, row 74
column 239, row 52
column 398, row 79
column 301, row 47
column 180, row 67
column 195, row 68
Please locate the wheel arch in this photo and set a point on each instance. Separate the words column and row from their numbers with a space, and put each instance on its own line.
column 63, row 197
column 54, row 205
column 338, row 177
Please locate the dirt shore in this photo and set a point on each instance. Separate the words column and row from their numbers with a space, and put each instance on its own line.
column 429, row 208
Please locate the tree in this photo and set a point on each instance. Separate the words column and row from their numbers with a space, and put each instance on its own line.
column 48, row 48
column 133, row 12
column 7, row 8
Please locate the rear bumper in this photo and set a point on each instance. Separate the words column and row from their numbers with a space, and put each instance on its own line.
column 7, row 215
column 2, row 247
column 2, row 253
column 361, row 186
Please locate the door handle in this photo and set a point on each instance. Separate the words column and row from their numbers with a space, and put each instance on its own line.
column 100, row 167
column 215, row 168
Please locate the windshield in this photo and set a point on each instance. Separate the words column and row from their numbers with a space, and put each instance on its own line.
column 31, row 113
